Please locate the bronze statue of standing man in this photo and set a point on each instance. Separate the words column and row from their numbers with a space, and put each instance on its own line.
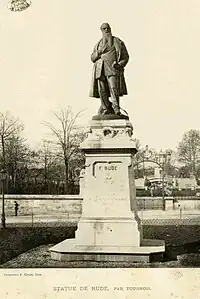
column 109, row 56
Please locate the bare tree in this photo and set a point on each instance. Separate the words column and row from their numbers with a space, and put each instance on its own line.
column 68, row 137
column 189, row 150
column 16, row 156
column 9, row 127
column 46, row 157
column 49, row 163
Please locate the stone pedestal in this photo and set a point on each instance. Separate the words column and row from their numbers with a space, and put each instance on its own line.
column 109, row 228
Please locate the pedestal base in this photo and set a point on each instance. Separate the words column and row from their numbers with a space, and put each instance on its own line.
column 69, row 251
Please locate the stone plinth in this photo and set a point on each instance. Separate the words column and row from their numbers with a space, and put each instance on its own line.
column 109, row 227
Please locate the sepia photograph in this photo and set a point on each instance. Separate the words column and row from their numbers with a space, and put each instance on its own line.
column 99, row 149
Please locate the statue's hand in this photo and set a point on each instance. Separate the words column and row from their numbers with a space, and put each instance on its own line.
column 116, row 65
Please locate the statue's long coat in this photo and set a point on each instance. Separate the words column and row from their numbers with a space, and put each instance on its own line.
column 122, row 60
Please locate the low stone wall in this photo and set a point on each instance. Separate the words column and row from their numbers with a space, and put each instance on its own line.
column 187, row 204
column 148, row 203
column 72, row 204
column 42, row 204
column 156, row 203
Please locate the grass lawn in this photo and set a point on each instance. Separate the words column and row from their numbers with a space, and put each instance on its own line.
column 26, row 247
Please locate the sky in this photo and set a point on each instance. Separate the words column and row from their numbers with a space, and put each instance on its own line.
column 45, row 63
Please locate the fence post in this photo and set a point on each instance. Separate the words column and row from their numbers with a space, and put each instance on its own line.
column 32, row 218
column 180, row 213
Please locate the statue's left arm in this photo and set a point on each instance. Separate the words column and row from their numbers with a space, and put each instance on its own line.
column 124, row 56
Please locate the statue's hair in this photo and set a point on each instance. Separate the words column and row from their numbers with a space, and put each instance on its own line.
column 104, row 24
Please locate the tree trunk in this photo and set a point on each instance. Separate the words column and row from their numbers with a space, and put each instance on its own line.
column 3, row 217
column 3, row 152
column 66, row 175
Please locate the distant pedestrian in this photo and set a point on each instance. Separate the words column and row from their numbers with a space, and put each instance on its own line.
column 152, row 191
column 174, row 201
column 16, row 208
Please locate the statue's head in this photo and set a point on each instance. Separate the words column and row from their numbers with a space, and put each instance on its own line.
column 105, row 28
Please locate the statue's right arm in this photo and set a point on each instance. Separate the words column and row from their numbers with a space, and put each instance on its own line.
column 95, row 55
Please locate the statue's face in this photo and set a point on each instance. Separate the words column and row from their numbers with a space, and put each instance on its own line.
column 105, row 28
